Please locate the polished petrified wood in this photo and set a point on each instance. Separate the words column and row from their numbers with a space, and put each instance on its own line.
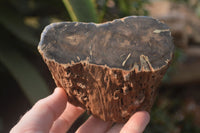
column 111, row 69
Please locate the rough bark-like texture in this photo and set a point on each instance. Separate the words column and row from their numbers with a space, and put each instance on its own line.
column 112, row 69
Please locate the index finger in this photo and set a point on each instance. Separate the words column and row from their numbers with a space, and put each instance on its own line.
column 43, row 113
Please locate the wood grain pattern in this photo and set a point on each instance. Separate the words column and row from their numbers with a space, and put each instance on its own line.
column 111, row 69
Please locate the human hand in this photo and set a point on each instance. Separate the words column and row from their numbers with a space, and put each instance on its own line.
column 54, row 114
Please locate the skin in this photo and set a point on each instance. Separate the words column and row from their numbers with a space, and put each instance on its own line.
column 54, row 114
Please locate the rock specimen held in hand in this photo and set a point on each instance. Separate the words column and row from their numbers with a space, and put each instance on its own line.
column 112, row 69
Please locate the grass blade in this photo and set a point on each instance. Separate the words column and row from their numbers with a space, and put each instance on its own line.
column 81, row 10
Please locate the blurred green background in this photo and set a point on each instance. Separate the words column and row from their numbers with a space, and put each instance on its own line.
column 24, row 78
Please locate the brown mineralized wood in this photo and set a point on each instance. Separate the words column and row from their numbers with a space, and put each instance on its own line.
column 112, row 69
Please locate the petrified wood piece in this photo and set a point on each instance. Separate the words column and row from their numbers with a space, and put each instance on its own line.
column 111, row 69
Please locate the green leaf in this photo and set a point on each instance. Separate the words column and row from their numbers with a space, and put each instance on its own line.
column 81, row 10
column 31, row 82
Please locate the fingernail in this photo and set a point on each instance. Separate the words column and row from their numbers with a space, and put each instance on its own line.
column 56, row 90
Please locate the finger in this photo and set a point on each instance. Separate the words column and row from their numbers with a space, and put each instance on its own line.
column 94, row 125
column 64, row 122
column 137, row 123
column 115, row 128
column 42, row 115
